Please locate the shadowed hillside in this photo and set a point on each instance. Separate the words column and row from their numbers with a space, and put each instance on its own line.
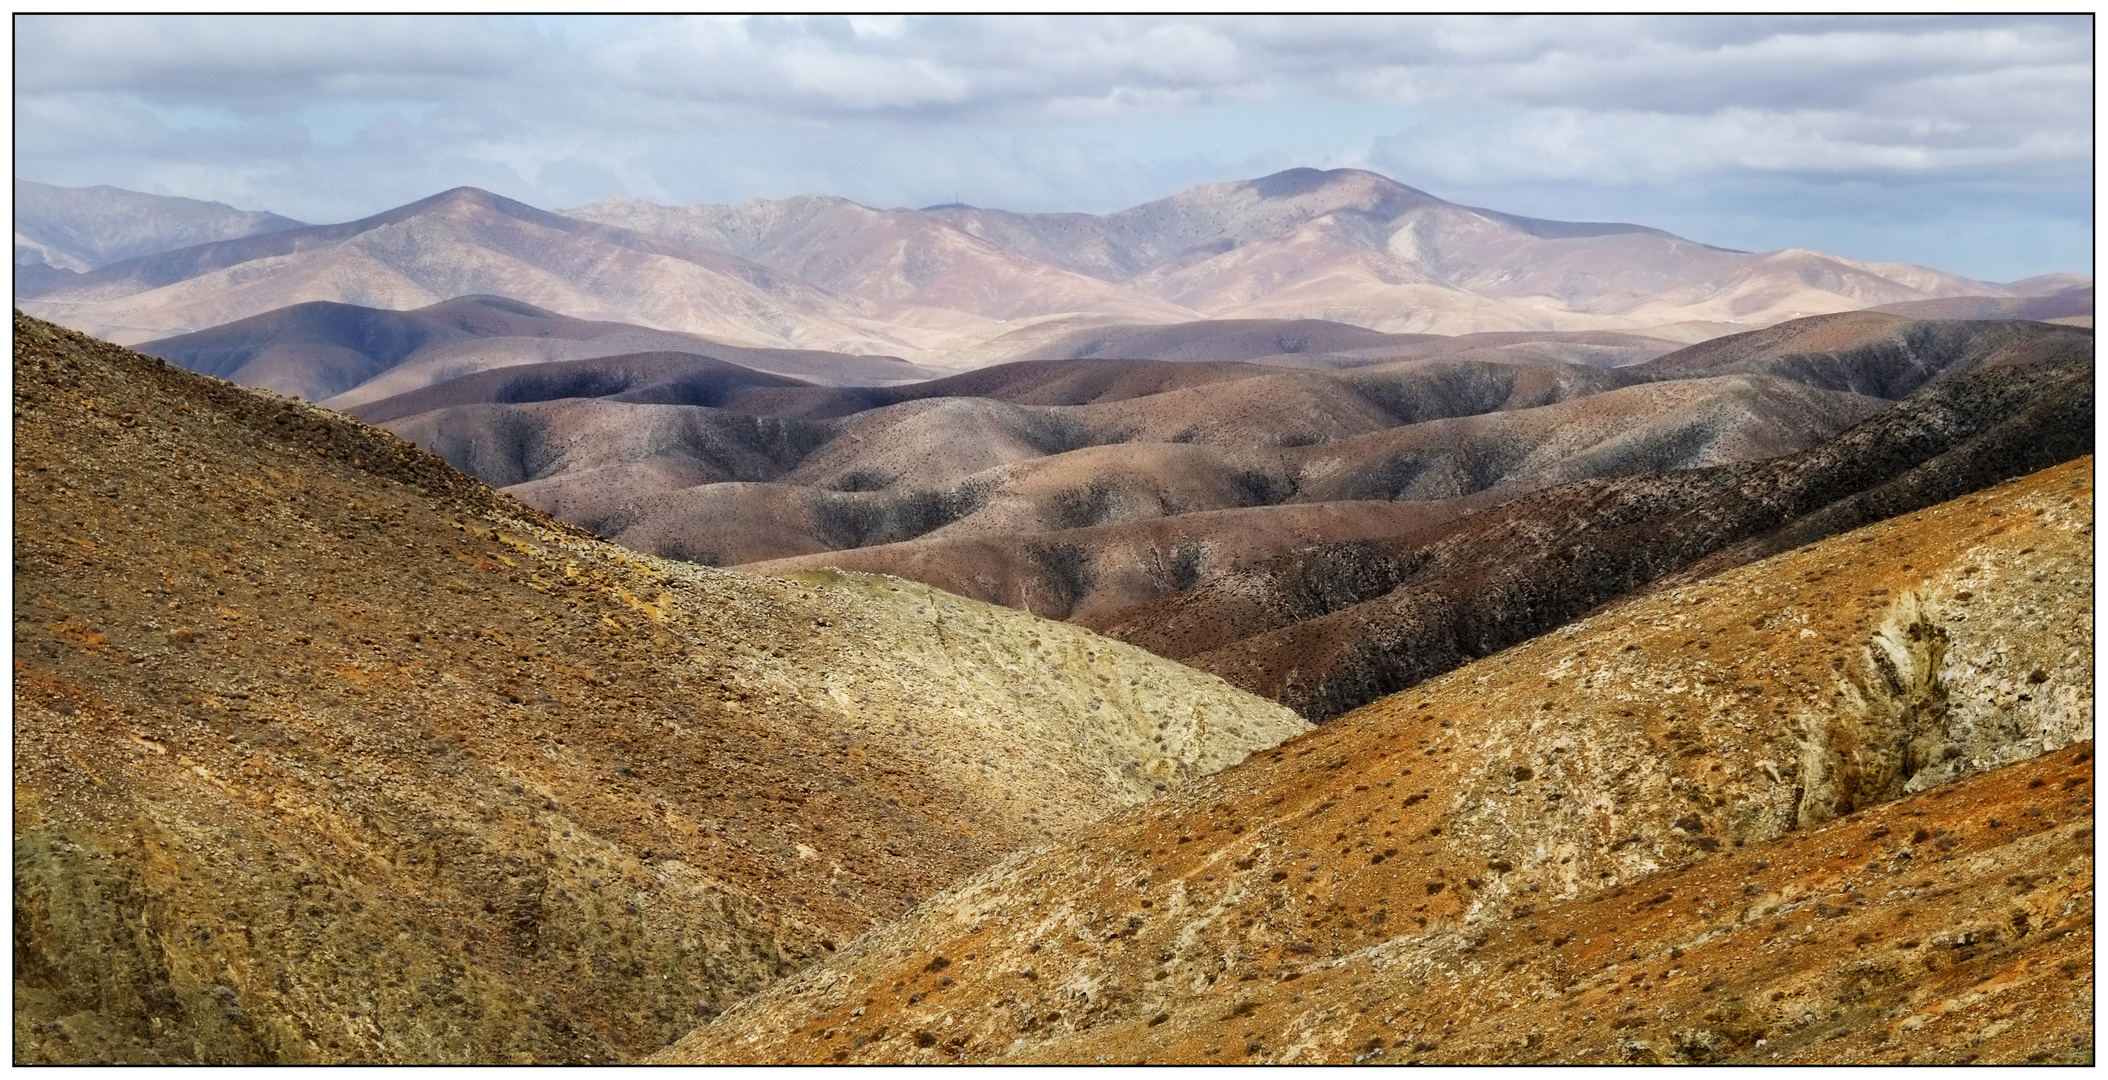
column 1866, row 352
column 346, row 355
column 1328, row 628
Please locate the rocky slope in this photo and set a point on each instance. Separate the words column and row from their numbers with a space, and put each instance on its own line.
column 1329, row 627
column 1831, row 807
column 324, row 752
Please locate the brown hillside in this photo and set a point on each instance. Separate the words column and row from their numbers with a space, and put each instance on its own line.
column 2075, row 300
column 1666, row 832
column 1867, row 352
column 1098, row 572
column 718, row 466
column 1328, row 628
column 956, row 467
column 324, row 752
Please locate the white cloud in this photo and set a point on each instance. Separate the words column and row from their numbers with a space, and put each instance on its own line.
column 264, row 62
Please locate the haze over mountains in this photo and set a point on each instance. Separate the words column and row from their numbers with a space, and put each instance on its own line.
column 61, row 232
column 955, row 286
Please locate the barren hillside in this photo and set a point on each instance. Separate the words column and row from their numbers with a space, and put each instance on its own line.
column 1330, row 627
column 1831, row 807
column 80, row 229
column 325, row 752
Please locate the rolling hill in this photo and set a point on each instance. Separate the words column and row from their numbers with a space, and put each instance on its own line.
column 1329, row 627
column 327, row 753
column 1060, row 486
column 1833, row 807
column 956, row 467
column 346, row 354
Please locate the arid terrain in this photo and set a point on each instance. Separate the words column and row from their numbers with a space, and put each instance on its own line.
column 1834, row 806
column 325, row 752
column 476, row 634
column 1325, row 628
column 1101, row 490
column 343, row 355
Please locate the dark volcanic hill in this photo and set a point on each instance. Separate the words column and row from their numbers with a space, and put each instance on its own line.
column 1330, row 627
column 324, row 752
column 660, row 378
column 950, row 467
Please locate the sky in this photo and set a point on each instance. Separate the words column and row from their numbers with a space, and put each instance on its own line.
column 1962, row 143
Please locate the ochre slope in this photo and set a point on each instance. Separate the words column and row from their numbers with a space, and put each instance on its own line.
column 324, row 752
column 1647, row 787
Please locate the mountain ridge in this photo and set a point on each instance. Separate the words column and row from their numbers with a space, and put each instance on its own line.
column 946, row 285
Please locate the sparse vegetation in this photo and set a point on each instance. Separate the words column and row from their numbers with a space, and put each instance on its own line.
column 327, row 753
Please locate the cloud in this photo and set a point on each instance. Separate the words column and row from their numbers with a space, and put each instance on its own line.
column 267, row 62
column 333, row 117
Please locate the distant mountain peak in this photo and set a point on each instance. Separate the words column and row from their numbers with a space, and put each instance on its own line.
column 1289, row 183
column 84, row 229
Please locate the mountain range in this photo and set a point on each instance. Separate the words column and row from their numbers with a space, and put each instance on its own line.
column 63, row 232
column 956, row 286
